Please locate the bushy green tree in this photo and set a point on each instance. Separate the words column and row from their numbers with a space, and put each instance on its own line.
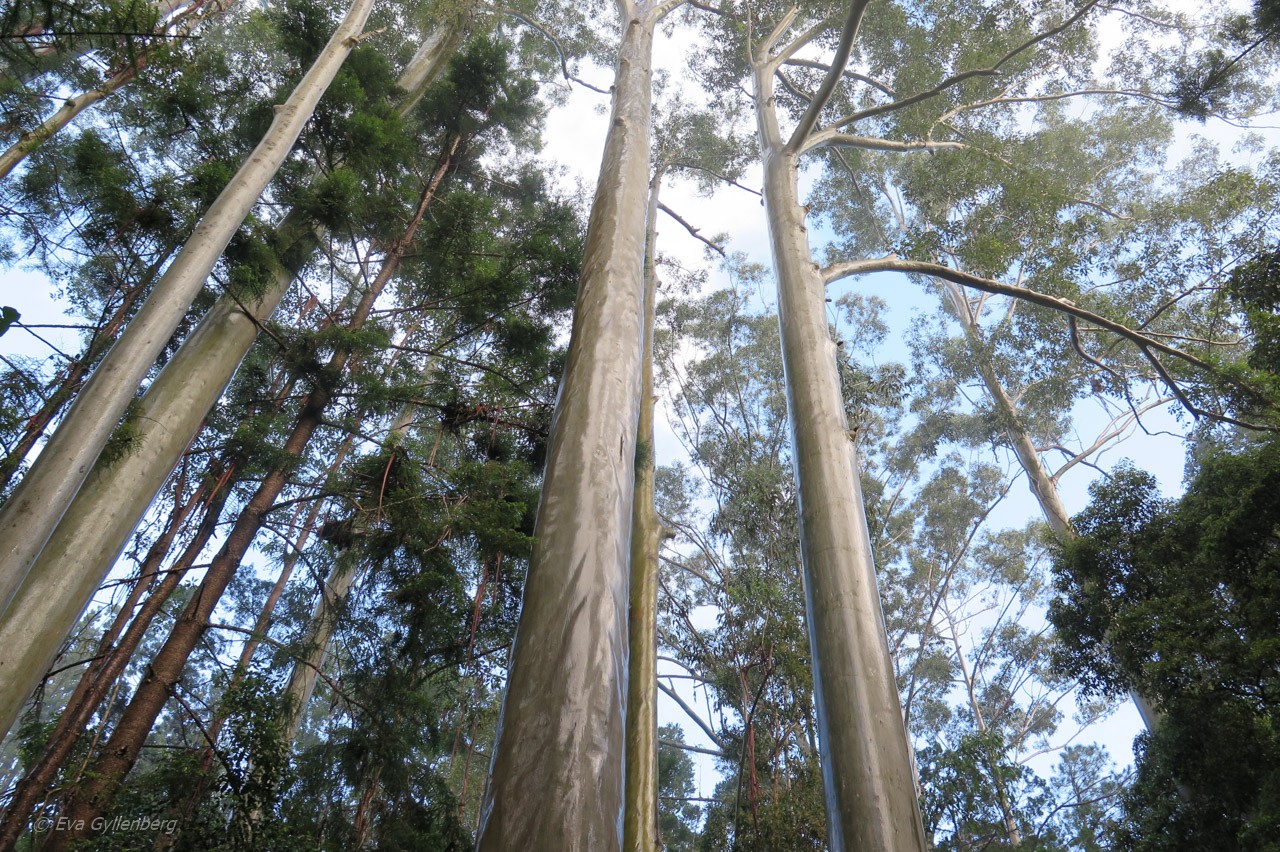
column 1180, row 598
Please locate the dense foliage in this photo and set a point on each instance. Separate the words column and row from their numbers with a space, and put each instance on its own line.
column 305, row 641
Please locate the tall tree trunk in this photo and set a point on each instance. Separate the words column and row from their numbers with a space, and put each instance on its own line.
column 1044, row 487
column 866, row 755
column 556, row 778
column 112, row 502
column 96, row 682
column 118, row 756
column 640, row 816
column 302, row 678
column 333, row 596
column 37, row 504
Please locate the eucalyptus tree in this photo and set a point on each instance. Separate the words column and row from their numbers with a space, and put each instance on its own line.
column 934, row 104
column 108, row 509
column 561, row 732
column 686, row 144
column 475, row 99
column 33, row 510
column 1086, row 209
column 972, row 668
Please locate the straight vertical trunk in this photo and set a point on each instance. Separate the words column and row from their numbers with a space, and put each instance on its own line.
column 30, row 515
column 866, row 756
column 108, row 508
column 556, row 777
column 640, row 818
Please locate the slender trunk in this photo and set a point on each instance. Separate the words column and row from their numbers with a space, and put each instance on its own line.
column 866, row 755
column 1043, row 486
column 96, row 682
column 64, row 115
column 30, row 515
column 302, row 678
column 640, row 817
column 556, row 777
column 362, row 825
column 177, row 810
column 111, row 503
column 93, row 798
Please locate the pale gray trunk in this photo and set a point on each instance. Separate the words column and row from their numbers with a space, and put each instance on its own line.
column 64, row 115
column 113, row 500
column 44, row 494
column 302, row 678
column 1043, row 486
column 866, row 755
column 556, row 777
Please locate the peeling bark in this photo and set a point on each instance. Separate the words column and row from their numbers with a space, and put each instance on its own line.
column 556, row 780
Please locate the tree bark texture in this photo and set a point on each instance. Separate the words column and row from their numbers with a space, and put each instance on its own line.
column 640, row 820
column 39, row 501
column 556, row 780
column 866, row 755
column 111, row 503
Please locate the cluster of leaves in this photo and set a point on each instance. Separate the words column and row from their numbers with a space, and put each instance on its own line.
column 1178, row 600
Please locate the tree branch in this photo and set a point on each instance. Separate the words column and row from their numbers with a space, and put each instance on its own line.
column 852, row 75
column 956, row 79
column 832, row 138
column 686, row 747
column 986, row 285
column 564, row 63
column 692, row 230
column 809, row 120
column 706, row 728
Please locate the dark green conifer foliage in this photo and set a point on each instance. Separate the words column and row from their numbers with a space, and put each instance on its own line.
column 1185, row 594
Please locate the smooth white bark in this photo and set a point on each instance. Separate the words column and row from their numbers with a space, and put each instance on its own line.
column 866, row 755
column 64, row 115
column 39, row 501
